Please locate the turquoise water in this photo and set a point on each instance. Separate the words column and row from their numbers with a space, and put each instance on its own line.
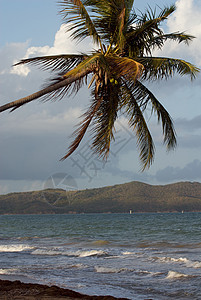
column 136, row 256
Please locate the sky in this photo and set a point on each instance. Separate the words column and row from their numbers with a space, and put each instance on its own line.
column 36, row 136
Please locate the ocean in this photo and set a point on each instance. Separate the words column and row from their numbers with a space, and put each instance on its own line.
column 138, row 256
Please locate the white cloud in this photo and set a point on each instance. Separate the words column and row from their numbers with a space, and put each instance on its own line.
column 186, row 19
column 21, row 70
column 63, row 44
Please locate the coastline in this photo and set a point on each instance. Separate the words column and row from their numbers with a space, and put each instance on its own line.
column 31, row 291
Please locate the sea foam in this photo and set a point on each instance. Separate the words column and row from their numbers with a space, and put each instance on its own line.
column 176, row 275
column 78, row 253
column 14, row 248
column 109, row 270
column 86, row 253
column 8, row 271
column 183, row 260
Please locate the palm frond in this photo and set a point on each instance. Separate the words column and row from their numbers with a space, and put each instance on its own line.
column 104, row 119
column 139, row 125
column 80, row 22
column 145, row 27
column 112, row 17
column 144, row 97
column 83, row 126
column 124, row 66
column 159, row 40
column 151, row 16
column 163, row 67
column 61, row 85
column 61, row 63
column 50, row 89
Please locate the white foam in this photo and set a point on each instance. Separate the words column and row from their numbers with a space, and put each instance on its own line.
column 46, row 252
column 171, row 259
column 78, row 253
column 175, row 275
column 87, row 253
column 128, row 253
column 7, row 271
column 196, row 264
column 187, row 262
column 108, row 270
column 14, row 248
column 147, row 273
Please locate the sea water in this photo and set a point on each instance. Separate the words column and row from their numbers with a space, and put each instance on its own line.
column 138, row 256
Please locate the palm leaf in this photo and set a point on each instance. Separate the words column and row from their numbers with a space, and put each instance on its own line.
column 104, row 119
column 80, row 22
column 61, row 63
column 162, row 67
column 124, row 66
column 159, row 40
column 80, row 132
column 139, row 125
column 144, row 96
column 60, row 87
column 54, row 90
column 145, row 28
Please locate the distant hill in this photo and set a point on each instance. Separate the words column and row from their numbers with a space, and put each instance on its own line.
column 135, row 196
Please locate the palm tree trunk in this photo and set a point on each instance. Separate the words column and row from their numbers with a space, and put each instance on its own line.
column 49, row 89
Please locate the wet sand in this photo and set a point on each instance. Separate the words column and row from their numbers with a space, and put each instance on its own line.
column 30, row 291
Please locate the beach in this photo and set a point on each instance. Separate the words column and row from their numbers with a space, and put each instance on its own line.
column 30, row 291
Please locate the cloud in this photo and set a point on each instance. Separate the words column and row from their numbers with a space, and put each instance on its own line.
column 192, row 171
column 44, row 122
column 193, row 124
column 63, row 44
column 186, row 19
column 35, row 137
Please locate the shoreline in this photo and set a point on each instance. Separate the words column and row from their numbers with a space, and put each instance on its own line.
column 33, row 291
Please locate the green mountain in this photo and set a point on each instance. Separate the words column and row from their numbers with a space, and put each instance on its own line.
column 135, row 196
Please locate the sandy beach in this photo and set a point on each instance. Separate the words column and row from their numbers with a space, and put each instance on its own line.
column 30, row 291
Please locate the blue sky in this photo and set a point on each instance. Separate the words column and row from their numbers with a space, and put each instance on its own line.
column 35, row 137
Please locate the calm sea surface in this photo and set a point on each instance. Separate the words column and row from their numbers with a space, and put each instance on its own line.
column 136, row 256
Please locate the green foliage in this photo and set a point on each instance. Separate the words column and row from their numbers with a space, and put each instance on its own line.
column 116, row 72
column 135, row 196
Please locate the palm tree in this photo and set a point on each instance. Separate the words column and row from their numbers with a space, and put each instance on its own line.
column 116, row 73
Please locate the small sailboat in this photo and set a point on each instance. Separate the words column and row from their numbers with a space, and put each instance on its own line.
column 130, row 211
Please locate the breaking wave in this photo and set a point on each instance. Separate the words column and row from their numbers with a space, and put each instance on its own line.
column 8, row 271
column 109, row 270
column 176, row 275
column 78, row 253
column 15, row 248
column 183, row 260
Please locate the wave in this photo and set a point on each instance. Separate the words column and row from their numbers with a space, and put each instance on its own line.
column 109, row 270
column 51, row 252
column 86, row 253
column 8, row 271
column 148, row 273
column 176, row 275
column 187, row 262
column 78, row 253
column 128, row 253
column 15, row 248
column 171, row 259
